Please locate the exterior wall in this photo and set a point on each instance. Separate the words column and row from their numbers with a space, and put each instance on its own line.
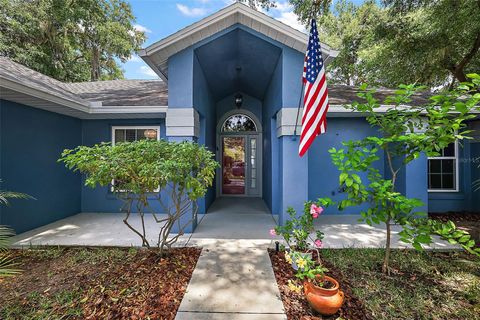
column 292, row 68
column 475, row 171
column 205, row 105
column 454, row 201
column 101, row 199
column 199, row 96
column 227, row 104
column 31, row 141
column 180, row 80
column 271, row 104
column 323, row 175
column 466, row 199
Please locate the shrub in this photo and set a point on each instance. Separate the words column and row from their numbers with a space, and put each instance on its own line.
column 138, row 172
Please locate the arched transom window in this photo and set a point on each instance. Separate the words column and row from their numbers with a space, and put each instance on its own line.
column 239, row 123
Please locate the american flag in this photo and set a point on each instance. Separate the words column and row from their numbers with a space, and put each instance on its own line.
column 315, row 97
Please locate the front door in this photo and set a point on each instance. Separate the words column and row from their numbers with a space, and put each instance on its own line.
column 233, row 165
column 239, row 155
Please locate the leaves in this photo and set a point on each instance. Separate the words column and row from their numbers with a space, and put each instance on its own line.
column 7, row 265
column 147, row 170
column 405, row 134
column 69, row 40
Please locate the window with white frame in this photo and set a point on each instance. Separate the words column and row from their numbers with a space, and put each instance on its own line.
column 443, row 170
column 134, row 133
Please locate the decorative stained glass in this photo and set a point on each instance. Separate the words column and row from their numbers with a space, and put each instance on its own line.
column 239, row 123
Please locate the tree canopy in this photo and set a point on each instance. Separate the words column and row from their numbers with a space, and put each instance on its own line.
column 69, row 40
column 394, row 42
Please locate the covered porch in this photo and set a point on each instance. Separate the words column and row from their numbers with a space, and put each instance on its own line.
column 238, row 221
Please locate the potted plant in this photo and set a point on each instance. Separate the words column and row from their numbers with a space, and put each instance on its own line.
column 321, row 291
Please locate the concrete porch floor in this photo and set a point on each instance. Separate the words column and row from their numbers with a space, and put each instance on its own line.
column 228, row 218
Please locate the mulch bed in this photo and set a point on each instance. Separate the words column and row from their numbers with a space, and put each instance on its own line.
column 110, row 283
column 295, row 304
column 468, row 221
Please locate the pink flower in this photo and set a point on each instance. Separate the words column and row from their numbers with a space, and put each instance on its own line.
column 315, row 210
column 318, row 243
column 272, row 232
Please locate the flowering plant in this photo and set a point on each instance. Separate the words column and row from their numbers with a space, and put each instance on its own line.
column 297, row 229
column 304, row 265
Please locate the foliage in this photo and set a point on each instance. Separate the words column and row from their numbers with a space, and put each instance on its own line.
column 7, row 266
column 297, row 230
column 305, row 266
column 6, row 263
column 265, row 4
column 5, row 195
column 69, row 40
column 419, row 42
column 140, row 171
column 392, row 42
column 350, row 29
column 405, row 134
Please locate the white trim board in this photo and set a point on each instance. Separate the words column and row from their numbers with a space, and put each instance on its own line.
column 157, row 54
column 78, row 108
column 456, row 158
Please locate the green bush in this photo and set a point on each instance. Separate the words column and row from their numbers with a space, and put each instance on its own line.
column 174, row 174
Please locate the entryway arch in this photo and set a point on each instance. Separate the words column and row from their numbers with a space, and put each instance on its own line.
column 239, row 152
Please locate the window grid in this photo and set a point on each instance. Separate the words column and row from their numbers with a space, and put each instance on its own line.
column 134, row 133
column 120, row 133
column 443, row 170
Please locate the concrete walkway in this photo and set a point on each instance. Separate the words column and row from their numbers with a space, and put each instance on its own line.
column 233, row 278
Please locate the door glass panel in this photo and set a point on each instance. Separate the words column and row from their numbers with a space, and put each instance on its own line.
column 233, row 165
column 253, row 167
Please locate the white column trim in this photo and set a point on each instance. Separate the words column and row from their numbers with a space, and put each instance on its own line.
column 182, row 122
column 286, row 121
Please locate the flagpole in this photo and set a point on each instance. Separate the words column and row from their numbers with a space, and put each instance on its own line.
column 315, row 4
column 298, row 110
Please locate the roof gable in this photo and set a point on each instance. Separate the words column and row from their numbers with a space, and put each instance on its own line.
column 157, row 54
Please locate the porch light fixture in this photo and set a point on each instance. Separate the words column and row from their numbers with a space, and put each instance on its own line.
column 238, row 100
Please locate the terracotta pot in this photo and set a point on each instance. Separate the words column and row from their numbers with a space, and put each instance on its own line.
column 324, row 301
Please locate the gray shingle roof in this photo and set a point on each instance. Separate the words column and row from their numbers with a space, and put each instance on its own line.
column 123, row 92
column 342, row 94
column 141, row 92
column 18, row 73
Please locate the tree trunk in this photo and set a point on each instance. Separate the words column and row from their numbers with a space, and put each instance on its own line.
column 386, row 259
column 95, row 64
column 458, row 70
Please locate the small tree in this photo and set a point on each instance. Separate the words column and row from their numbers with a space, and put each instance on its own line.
column 405, row 134
column 140, row 173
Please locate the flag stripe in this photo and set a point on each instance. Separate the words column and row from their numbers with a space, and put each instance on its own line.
column 315, row 97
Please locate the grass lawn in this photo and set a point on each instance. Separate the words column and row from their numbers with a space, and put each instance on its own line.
column 425, row 285
column 97, row 283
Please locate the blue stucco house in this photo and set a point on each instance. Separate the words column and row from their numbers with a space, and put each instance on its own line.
column 231, row 82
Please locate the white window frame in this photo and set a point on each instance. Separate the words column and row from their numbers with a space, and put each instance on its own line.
column 133, row 128
column 456, row 173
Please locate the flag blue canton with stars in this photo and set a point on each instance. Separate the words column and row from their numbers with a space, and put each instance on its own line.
column 314, row 60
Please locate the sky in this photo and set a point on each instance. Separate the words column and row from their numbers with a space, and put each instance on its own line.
column 160, row 18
